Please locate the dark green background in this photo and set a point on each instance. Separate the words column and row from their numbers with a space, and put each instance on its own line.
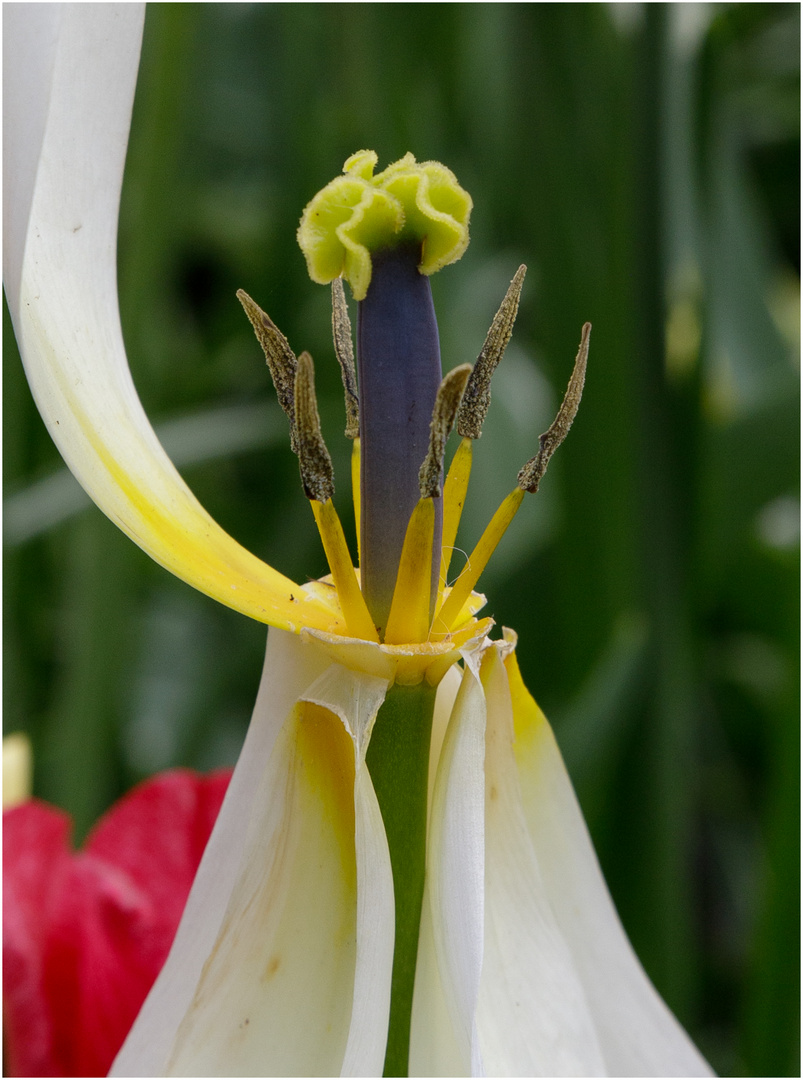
column 644, row 164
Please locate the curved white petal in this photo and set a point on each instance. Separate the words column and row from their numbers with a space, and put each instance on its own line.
column 69, row 93
column 283, row 961
column 638, row 1034
column 533, row 1015
column 30, row 37
column 355, row 698
column 274, row 997
column 289, row 669
column 434, row 1050
column 376, row 930
column 448, row 689
column 443, row 1038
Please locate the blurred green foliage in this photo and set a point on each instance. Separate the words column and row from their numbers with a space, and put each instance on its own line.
column 644, row 163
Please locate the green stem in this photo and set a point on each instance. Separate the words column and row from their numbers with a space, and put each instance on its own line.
column 398, row 761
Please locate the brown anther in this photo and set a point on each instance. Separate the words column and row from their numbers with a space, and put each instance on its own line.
column 344, row 350
column 447, row 401
column 280, row 357
column 477, row 397
column 530, row 475
column 317, row 474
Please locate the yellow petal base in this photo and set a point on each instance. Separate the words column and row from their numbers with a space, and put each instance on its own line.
column 407, row 665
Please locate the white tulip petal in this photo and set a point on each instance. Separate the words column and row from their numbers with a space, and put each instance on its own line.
column 290, row 668
column 30, row 37
column 448, row 689
column 356, row 698
column 533, row 1016
column 433, row 1046
column 290, row 923
column 434, row 1050
column 60, row 267
column 455, row 876
column 376, row 930
column 274, row 997
column 638, row 1034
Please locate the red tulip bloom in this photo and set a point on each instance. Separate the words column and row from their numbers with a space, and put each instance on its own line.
column 86, row 933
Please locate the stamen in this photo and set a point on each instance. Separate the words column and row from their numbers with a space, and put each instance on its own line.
column 408, row 620
column 531, row 474
column 477, row 397
column 281, row 359
column 344, row 350
column 314, row 462
column 528, row 480
column 448, row 398
column 356, row 495
column 454, row 498
column 477, row 561
column 352, row 603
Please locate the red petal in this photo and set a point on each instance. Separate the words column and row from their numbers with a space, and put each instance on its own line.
column 36, row 861
column 87, row 934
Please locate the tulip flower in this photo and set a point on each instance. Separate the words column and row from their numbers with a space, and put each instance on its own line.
column 400, row 877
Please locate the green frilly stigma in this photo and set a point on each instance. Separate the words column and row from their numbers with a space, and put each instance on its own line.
column 358, row 213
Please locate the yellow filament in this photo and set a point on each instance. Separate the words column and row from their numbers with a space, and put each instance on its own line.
column 355, row 494
column 408, row 622
column 352, row 603
column 454, row 498
column 478, row 560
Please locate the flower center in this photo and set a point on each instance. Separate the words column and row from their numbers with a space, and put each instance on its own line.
column 385, row 233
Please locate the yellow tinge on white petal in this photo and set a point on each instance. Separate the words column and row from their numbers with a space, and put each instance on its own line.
column 290, row 668
column 292, row 976
column 638, row 1034
column 356, row 699
column 533, row 1015
column 275, row 994
column 63, row 303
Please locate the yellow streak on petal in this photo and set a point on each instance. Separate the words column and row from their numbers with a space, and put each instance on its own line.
column 454, row 498
column 276, row 989
column 356, row 495
column 190, row 543
column 352, row 603
column 478, row 560
column 528, row 719
column 328, row 761
column 408, row 622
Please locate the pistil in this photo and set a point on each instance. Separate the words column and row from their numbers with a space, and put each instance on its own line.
column 399, row 364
